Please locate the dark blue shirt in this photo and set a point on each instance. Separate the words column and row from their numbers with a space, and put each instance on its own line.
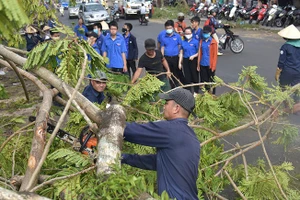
column 81, row 35
column 289, row 62
column 189, row 47
column 177, row 157
column 205, row 48
column 114, row 50
column 126, row 43
column 171, row 43
column 197, row 34
column 96, row 47
column 99, row 42
column 91, row 94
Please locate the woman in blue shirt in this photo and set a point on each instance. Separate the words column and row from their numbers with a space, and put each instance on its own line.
column 188, row 59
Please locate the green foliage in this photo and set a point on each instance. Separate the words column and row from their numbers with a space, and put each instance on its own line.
column 3, row 93
column 249, row 79
column 144, row 89
column 287, row 135
column 12, row 16
column 75, row 123
column 65, row 58
column 67, row 158
column 168, row 12
column 261, row 183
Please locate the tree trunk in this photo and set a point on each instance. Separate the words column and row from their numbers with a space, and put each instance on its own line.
column 11, row 195
column 110, row 137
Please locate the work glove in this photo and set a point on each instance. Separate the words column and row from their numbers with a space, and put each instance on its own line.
column 277, row 74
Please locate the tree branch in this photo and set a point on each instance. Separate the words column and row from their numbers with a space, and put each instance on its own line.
column 234, row 185
column 61, row 178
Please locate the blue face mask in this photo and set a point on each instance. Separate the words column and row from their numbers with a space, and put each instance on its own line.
column 206, row 35
column 169, row 31
column 96, row 31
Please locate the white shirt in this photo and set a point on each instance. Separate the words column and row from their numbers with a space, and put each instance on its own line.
column 143, row 10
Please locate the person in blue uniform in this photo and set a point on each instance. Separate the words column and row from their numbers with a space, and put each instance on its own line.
column 177, row 147
column 114, row 49
column 170, row 46
column 197, row 31
column 95, row 90
column 81, row 30
column 92, row 40
column 188, row 57
column 97, row 28
column 132, row 48
column 288, row 71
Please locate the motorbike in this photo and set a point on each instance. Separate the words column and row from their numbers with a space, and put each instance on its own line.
column 293, row 17
column 144, row 18
column 229, row 39
column 200, row 10
column 280, row 20
column 193, row 10
column 271, row 15
column 115, row 14
column 254, row 14
column 262, row 13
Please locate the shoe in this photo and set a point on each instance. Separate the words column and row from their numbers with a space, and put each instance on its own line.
column 220, row 54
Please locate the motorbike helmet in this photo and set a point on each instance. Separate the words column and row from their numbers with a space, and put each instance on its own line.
column 274, row 6
column 213, row 11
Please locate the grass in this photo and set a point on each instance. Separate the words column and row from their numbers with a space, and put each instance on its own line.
column 168, row 12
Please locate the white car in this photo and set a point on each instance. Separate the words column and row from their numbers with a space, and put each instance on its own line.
column 74, row 11
column 93, row 13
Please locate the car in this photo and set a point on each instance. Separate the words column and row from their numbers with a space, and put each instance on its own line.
column 93, row 13
column 74, row 11
column 65, row 4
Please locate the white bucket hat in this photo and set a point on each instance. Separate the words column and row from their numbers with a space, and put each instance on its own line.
column 290, row 32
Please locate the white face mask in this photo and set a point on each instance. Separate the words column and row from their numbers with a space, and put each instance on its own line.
column 188, row 36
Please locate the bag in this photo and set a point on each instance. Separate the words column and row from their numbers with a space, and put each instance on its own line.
column 208, row 23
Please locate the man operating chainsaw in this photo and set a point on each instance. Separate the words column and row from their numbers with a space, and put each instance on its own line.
column 178, row 149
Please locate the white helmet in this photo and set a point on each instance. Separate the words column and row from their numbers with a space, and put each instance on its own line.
column 274, row 6
column 116, row 2
column 180, row 14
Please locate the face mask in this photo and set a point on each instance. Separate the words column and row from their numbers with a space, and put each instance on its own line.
column 206, row 35
column 124, row 30
column 188, row 36
column 55, row 38
column 169, row 31
column 96, row 31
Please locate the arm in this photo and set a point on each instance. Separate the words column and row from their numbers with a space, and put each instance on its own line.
column 180, row 59
column 103, row 49
column 124, row 61
column 153, row 134
column 166, row 66
column 147, row 162
column 199, row 57
column 162, row 50
column 136, row 74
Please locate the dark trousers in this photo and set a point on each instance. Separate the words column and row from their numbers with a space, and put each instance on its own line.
column 131, row 66
column 191, row 74
column 207, row 76
column 173, row 65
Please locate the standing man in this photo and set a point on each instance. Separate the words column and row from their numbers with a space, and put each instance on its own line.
column 98, row 30
column 170, row 46
column 154, row 63
column 95, row 90
column 32, row 38
column 207, row 58
column 132, row 48
column 288, row 70
column 177, row 147
column 197, row 31
column 114, row 49
column 92, row 38
column 80, row 29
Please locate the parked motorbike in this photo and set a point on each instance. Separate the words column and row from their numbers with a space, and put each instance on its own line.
column 262, row 13
column 241, row 13
column 200, row 10
column 293, row 17
column 271, row 15
column 254, row 14
column 229, row 39
column 193, row 10
column 280, row 20
column 115, row 14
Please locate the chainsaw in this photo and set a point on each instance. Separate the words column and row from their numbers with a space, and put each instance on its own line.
column 86, row 143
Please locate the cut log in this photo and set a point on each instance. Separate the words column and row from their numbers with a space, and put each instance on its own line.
column 11, row 195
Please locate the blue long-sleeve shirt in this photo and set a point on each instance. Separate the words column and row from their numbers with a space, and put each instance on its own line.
column 177, row 157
